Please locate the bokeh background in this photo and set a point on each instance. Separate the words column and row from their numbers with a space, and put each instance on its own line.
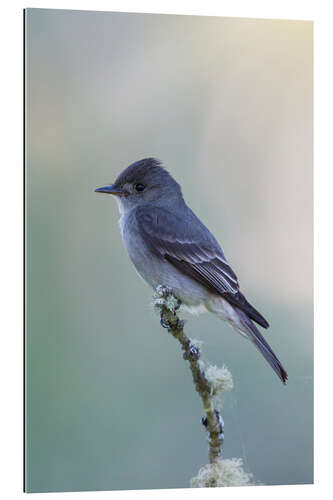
column 226, row 104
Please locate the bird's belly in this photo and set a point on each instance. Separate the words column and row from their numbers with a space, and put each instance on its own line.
column 159, row 272
column 156, row 272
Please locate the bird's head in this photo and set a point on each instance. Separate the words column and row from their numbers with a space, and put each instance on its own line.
column 145, row 181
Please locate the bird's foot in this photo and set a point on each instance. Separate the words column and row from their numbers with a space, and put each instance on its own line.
column 164, row 324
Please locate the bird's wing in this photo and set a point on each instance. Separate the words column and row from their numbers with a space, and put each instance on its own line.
column 189, row 247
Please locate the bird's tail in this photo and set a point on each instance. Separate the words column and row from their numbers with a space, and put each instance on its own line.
column 240, row 320
column 262, row 346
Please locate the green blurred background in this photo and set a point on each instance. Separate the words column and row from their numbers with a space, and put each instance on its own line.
column 226, row 104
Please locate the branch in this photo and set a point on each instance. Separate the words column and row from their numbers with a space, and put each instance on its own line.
column 209, row 381
column 168, row 306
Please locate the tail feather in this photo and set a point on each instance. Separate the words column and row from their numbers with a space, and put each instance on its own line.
column 263, row 346
column 240, row 302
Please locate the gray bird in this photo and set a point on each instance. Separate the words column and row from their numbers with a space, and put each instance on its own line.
column 169, row 245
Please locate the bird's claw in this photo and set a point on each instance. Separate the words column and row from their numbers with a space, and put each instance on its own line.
column 164, row 324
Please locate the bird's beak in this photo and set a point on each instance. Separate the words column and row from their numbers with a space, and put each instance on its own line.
column 110, row 190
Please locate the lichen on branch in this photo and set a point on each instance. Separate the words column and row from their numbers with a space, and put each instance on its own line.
column 223, row 472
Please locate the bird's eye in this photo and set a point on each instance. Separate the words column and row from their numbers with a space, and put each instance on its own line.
column 139, row 187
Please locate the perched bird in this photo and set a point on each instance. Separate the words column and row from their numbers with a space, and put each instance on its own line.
column 170, row 246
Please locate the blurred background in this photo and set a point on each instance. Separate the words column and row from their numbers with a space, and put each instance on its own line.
column 226, row 104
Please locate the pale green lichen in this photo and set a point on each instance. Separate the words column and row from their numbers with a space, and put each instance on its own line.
column 165, row 300
column 158, row 302
column 219, row 378
column 221, row 473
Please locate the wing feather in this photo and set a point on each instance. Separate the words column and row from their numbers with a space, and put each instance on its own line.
column 197, row 254
column 190, row 247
